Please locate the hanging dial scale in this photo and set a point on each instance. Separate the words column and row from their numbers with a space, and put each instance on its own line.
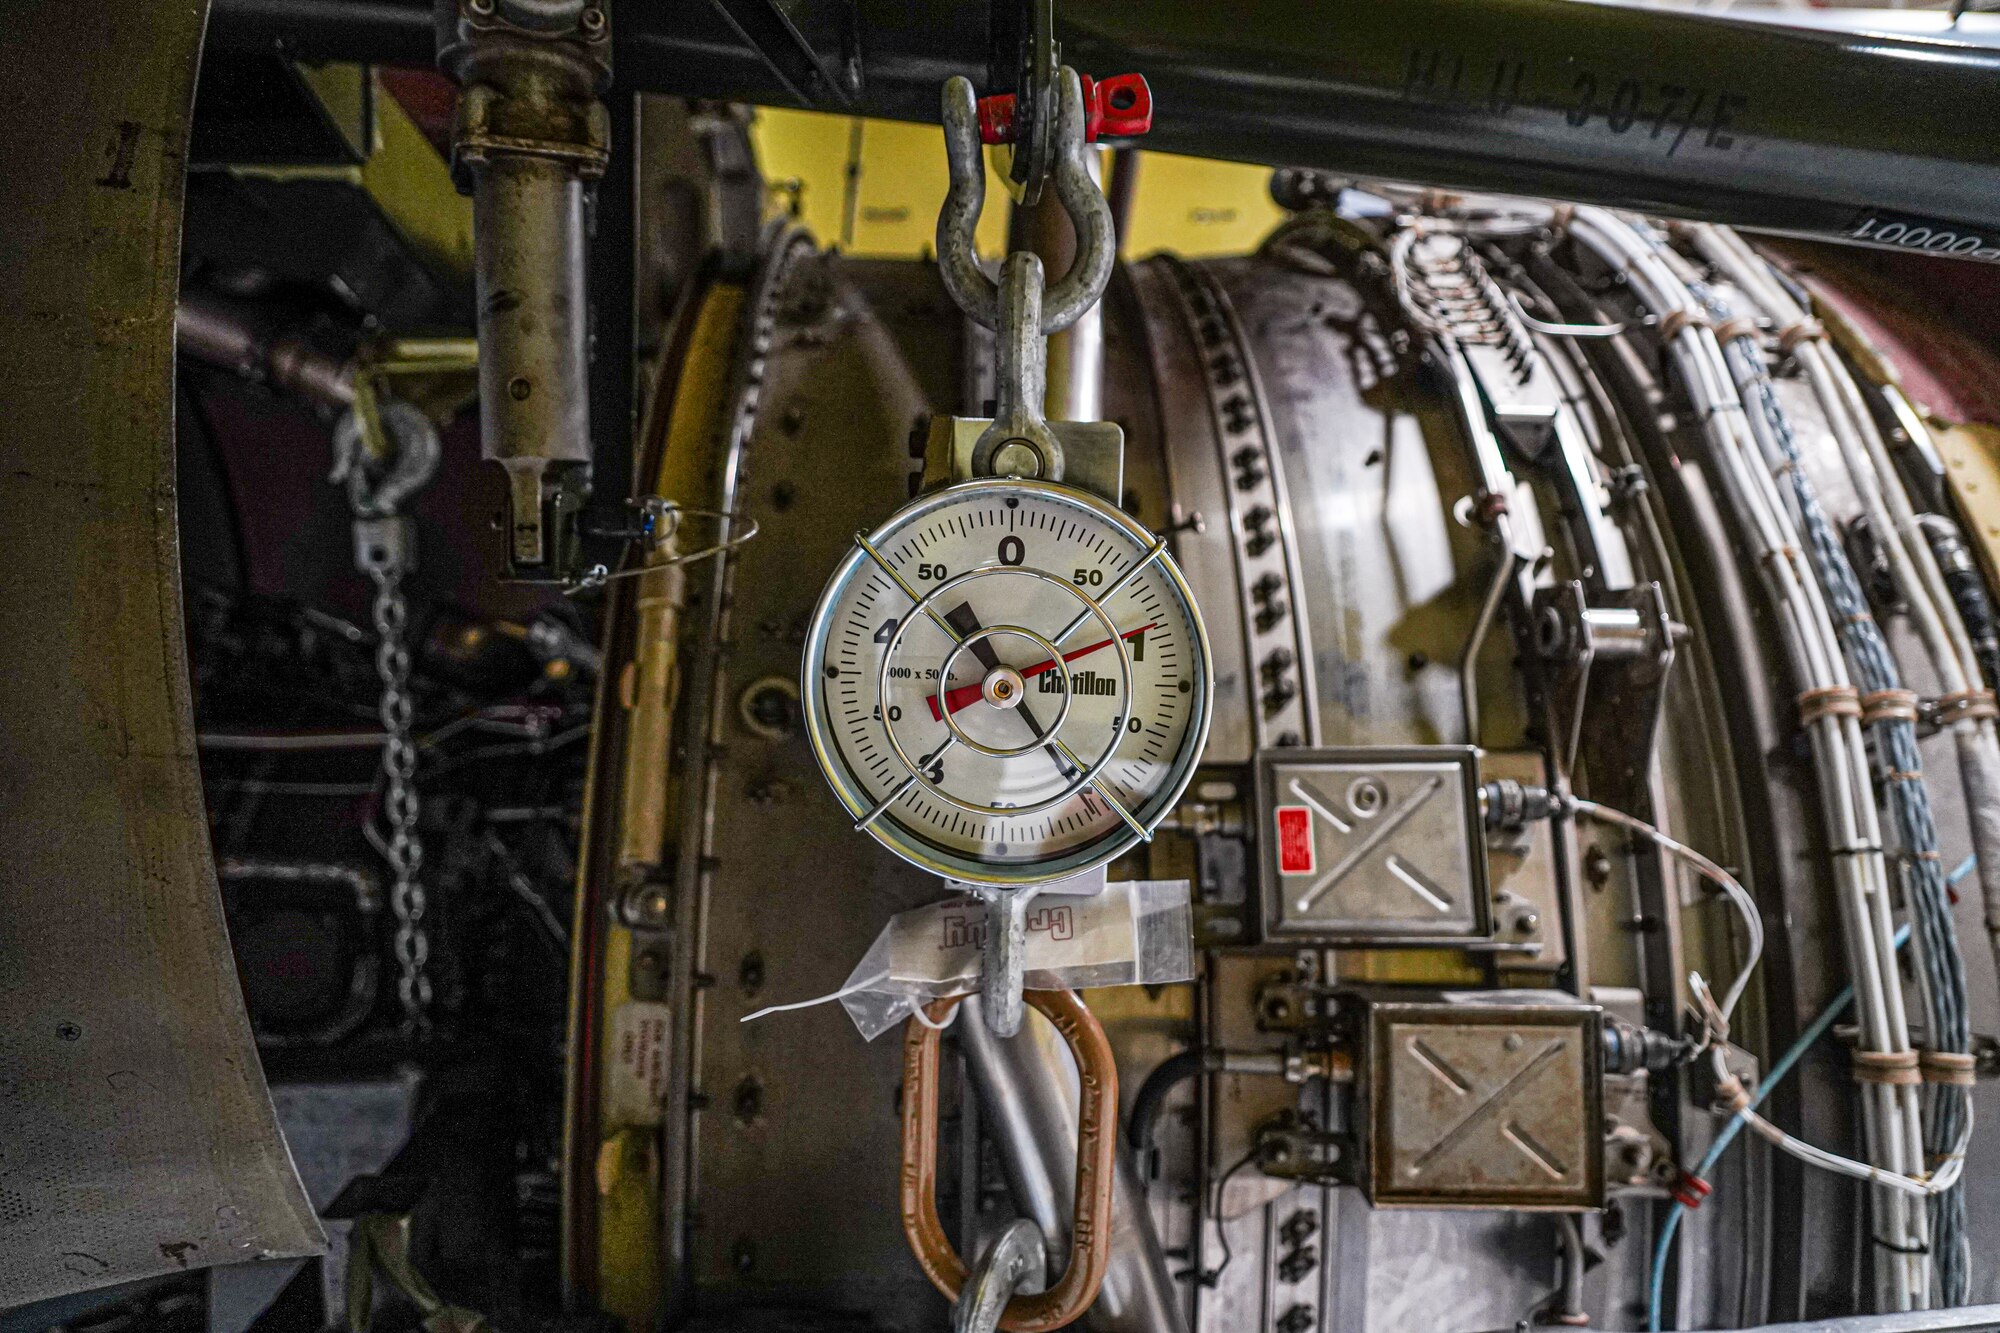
column 1007, row 682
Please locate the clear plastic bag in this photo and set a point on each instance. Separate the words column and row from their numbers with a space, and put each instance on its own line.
column 1134, row 932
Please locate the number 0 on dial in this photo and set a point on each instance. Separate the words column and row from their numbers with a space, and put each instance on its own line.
column 1008, row 682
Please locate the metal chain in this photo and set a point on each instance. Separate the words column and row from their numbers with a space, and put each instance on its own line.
column 386, row 457
column 405, row 850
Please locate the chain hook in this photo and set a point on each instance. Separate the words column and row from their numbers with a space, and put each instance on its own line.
column 385, row 450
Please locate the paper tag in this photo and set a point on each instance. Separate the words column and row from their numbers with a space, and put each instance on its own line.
column 944, row 942
column 1295, row 840
column 636, row 1073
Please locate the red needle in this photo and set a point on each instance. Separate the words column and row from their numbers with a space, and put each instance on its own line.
column 971, row 694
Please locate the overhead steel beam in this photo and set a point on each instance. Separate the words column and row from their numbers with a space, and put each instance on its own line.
column 789, row 58
column 1874, row 132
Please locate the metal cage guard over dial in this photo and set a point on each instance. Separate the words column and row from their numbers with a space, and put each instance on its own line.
column 933, row 632
column 944, row 705
column 1096, row 1148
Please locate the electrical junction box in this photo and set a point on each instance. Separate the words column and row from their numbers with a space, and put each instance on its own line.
column 1373, row 846
column 1482, row 1099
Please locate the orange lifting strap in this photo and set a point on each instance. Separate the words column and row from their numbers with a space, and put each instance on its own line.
column 1096, row 1142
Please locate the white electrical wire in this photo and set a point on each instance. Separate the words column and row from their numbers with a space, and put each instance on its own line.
column 1919, row 1187
column 1922, row 1187
column 1935, row 613
column 1836, row 395
column 1806, row 632
column 867, row 983
column 1753, row 924
column 1912, row 566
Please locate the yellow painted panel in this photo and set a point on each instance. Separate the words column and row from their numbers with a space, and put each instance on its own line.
column 1430, row 967
column 887, row 206
column 630, row 1282
column 344, row 94
column 902, row 186
column 400, row 170
column 1971, row 456
column 803, row 155
column 412, row 184
column 630, row 1278
column 1194, row 206
column 872, row 187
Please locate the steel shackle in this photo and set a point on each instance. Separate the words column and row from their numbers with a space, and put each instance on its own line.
column 1017, row 1254
column 1096, row 1154
column 958, row 256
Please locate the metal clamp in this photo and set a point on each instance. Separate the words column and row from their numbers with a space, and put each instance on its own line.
column 1096, row 1148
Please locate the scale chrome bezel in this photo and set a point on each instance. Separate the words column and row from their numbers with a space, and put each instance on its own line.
column 905, row 843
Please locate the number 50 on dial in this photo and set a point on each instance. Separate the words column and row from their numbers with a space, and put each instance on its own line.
column 1008, row 682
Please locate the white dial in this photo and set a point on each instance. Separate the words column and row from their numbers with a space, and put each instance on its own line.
column 1008, row 682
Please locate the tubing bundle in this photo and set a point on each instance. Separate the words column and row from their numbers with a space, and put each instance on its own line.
column 1830, row 714
column 1889, row 712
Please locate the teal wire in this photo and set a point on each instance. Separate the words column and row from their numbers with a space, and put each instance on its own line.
column 1784, row 1065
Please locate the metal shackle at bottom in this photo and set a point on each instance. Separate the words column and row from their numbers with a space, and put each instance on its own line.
column 1096, row 1160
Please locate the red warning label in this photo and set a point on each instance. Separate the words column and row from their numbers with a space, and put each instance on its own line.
column 1295, row 840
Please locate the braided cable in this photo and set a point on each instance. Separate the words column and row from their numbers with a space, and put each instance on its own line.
column 1899, row 770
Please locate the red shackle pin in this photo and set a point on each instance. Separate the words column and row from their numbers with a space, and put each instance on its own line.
column 1120, row 106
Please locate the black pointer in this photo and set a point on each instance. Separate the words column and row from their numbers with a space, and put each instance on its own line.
column 966, row 621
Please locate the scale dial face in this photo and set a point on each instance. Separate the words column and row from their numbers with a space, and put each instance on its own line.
column 1008, row 682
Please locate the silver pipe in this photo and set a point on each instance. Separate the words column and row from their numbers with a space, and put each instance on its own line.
column 529, row 138
column 1076, row 355
column 1567, row 1309
column 235, row 336
column 1027, row 1088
